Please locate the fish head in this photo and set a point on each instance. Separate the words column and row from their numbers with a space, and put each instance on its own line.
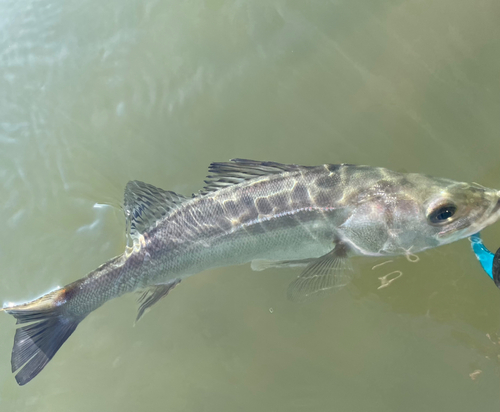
column 459, row 210
column 408, row 213
column 433, row 212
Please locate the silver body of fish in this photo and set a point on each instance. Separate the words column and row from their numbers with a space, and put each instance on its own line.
column 267, row 213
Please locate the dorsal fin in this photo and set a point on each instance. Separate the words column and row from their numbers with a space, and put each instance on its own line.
column 239, row 170
column 145, row 204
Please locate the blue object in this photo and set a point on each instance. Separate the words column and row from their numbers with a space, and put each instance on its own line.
column 484, row 256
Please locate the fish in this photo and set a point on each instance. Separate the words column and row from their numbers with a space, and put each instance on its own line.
column 266, row 213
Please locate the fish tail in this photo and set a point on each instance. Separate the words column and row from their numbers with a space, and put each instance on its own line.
column 50, row 325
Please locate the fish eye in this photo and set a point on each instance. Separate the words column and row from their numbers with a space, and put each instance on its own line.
column 442, row 214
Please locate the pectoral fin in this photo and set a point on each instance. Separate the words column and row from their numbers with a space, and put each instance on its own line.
column 153, row 295
column 327, row 273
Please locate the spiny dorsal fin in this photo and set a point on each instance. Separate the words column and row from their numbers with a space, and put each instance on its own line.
column 328, row 273
column 239, row 170
column 145, row 204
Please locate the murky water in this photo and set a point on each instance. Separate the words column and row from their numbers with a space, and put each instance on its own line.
column 98, row 93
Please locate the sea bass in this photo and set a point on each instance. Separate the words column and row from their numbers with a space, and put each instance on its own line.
column 267, row 213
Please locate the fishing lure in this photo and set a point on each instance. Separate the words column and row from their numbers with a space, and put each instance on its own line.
column 489, row 261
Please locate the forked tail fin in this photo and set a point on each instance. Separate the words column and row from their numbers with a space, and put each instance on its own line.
column 35, row 344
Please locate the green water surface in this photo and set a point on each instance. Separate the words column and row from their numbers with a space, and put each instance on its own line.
column 95, row 93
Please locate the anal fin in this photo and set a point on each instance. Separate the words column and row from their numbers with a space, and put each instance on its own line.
column 328, row 273
column 152, row 295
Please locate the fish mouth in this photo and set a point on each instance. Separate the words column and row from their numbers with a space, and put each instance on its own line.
column 454, row 229
column 497, row 206
column 493, row 214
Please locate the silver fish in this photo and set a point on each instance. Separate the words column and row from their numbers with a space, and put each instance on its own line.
column 270, row 214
